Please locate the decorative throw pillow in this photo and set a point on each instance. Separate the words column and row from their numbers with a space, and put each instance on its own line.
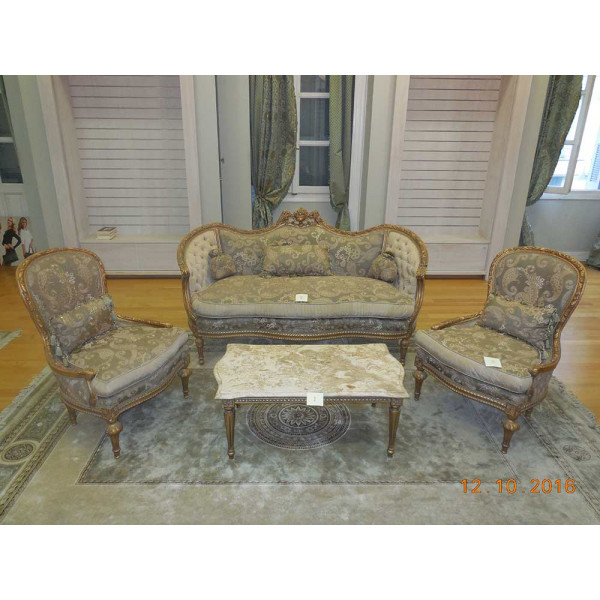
column 384, row 267
column 79, row 325
column 221, row 265
column 296, row 259
column 531, row 324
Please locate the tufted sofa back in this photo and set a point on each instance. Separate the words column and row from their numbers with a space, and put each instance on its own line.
column 537, row 276
column 350, row 253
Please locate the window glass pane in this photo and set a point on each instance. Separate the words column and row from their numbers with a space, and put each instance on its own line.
column 314, row 119
column 9, row 164
column 571, row 134
column 588, row 159
column 560, row 173
column 314, row 165
column 4, row 127
column 314, row 83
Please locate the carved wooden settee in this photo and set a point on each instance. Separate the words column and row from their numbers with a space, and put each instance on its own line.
column 345, row 304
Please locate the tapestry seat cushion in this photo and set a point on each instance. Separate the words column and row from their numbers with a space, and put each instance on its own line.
column 128, row 354
column 335, row 296
column 462, row 348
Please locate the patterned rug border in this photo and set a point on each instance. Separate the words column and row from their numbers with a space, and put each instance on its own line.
column 6, row 337
column 44, row 448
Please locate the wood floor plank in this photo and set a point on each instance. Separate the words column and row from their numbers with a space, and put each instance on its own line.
column 23, row 358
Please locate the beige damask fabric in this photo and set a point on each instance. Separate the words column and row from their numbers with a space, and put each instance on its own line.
column 84, row 322
column 349, row 255
column 296, row 259
column 61, row 281
column 462, row 347
column 333, row 296
column 128, row 354
column 384, row 267
column 529, row 323
column 221, row 265
column 535, row 278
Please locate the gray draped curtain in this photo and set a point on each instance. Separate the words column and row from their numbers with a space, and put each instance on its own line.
column 562, row 100
column 273, row 126
column 594, row 259
column 341, row 104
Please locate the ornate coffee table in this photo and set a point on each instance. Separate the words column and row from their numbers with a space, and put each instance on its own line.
column 250, row 374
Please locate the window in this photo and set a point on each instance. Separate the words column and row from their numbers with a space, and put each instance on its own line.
column 10, row 171
column 312, row 148
column 578, row 168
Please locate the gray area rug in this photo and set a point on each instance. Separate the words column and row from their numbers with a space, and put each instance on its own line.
column 174, row 467
column 7, row 336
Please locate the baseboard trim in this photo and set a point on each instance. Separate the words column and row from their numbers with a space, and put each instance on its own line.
column 582, row 256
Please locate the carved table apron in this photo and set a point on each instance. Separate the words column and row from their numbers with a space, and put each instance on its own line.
column 250, row 373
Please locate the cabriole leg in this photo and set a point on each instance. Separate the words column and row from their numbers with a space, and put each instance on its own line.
column 420, row 375
column 72, row 415
column 510, row 426
column 403, row 349
column 113, row 430
column 185, row 379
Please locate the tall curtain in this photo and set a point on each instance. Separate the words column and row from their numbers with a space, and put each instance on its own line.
column 562, row 100
column 341, row 105
column 273, row 125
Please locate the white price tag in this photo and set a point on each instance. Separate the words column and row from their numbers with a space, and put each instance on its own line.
column 492, row 362
column 314, row 399
column 301, row 297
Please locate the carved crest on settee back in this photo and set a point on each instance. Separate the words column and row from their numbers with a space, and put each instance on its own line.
column 300, row 218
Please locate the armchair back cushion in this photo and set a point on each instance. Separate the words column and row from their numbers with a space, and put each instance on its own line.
column 82, row 323
column 62, row 280
column 536, row 278
column 532, row 324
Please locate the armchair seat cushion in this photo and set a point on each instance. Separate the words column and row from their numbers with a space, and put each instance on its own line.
column 127, row 355
column 334, row 296
column 462, row 347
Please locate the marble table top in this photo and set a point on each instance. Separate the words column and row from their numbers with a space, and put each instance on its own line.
column 289, row 371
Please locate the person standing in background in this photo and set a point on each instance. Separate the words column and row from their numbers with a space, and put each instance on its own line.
column 26, row 237
column 8, row 238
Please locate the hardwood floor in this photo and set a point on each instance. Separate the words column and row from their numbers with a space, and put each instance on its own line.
column 161, row 299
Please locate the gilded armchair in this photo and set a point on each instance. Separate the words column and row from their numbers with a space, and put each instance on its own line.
column 530, row 290
column 104, row 363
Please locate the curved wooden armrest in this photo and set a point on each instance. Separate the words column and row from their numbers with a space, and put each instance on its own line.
column 144, row 321
column 456, row 321
column 69, row 371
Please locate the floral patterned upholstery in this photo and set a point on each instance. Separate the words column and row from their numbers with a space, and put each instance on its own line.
column 328, row 297
column 127, row 354
column 296, row 259
column 62, row 280
column 108, row 364
column 532, row 293
column 462, row 347
column 535, row 277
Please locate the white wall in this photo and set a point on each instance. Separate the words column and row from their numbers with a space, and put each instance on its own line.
column 570, row 226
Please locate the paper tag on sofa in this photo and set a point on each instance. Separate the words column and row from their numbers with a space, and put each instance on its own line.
column 314, row 399
column 492, row 362
column 301, row 297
